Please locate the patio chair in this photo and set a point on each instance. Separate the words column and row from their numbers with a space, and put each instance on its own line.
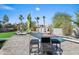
column 46, row 46
column 31, row 47
column 56, row 41
column 51, row 46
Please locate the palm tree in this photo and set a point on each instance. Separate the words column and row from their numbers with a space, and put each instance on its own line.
column 37, row 20
column 77, row 19
column 21, row 23
column 21, row 18
column 44, row 23
column 57, row 21
column 29, row 23
column 63, row 20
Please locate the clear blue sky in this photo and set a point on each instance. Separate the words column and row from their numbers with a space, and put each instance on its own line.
column 48, row 10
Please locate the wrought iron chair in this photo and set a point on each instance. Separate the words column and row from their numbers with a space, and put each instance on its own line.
column 34, row 42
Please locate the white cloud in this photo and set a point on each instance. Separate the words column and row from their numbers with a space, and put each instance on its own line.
column 37, row 9
column 6, row 7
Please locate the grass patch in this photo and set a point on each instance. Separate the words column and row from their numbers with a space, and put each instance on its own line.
column 6, row 34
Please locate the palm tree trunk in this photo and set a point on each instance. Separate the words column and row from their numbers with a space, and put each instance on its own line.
column 38, row 26
column 44, row 25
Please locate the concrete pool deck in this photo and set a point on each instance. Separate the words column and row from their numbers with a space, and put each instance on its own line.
column 19, row 45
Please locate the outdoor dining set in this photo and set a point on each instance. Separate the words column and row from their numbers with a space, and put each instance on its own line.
column 48, row 45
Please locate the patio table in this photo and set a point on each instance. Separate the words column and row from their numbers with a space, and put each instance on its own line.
column 50, row 42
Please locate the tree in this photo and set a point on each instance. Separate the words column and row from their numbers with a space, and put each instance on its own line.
column 63, row 20
column 29, row 23
column 5, row 20
column 33, row 25
column 37, row 20
column 57, row 21
column 0, row 24
column 77, row 19
column 21, row 18
column 21, row 22
column 44, row 23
